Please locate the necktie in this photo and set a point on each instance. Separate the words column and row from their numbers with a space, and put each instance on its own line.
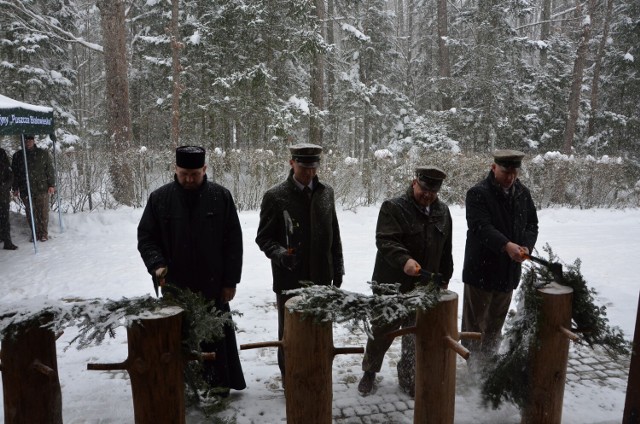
column 307, row 191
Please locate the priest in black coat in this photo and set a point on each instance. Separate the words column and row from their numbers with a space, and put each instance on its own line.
column 190, row 236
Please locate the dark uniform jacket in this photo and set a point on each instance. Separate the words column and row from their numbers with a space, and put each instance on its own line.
column 405, row 231
column 493, row 219
column 41, row 172
column 6, row 178
column 315, row 239
column 196, row 234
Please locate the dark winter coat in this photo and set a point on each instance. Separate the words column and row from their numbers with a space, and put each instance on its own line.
column 315, row 239
column 6, row 178
column 404, row 231
column 493, row 219
column 196, row 234
column 41, row 172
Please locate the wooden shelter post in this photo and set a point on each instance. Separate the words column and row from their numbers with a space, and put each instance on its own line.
column 632, row 404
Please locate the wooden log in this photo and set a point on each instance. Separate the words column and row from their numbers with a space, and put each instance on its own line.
column 632, row 404
column 155, row 364
column 436, row 362
column 549, row 357
column 30, row 377
column 308, row 349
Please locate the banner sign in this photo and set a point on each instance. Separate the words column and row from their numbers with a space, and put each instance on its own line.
column 20, row 118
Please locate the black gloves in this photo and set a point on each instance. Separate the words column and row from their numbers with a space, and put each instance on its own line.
column 285, row 260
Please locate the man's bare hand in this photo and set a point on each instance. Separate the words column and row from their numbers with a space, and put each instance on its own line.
column 412, row 268
column 228, row 293
column 515, row 251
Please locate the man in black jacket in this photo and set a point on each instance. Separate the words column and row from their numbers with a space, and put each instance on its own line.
column 299, row 231
column 6, row 178
column 190, row 237
column 502, row 224
column 413, row 233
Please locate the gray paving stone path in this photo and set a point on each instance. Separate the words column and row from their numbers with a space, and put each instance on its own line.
column 389, row 405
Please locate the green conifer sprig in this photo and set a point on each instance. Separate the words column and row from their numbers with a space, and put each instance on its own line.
column 329, row 303
column 98, row 318
column 506, row 378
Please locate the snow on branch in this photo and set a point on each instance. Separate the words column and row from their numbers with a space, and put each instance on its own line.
column 97, row 318
column 506, row 377
column 387, row 304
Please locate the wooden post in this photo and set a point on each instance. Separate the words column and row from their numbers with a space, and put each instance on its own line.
column 632, row 404
column 308, row 368
column 156, row 367
column 436, row 350
column 309, row 352
column 549, row 357
column 30, row 377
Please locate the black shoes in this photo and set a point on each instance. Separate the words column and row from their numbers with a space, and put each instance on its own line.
column 9, row 246
column 366, row 383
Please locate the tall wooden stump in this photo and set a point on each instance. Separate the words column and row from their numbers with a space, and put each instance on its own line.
column 309, row 355
column 632, row 404
column 30, row 377
column 549, row 357
column 436, row 362
column 309, row 352
column 156, row 367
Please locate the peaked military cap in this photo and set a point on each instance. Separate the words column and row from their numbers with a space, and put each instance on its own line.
column 306, row 154
column 430, row 177
column 190, row 157
column 508, row 158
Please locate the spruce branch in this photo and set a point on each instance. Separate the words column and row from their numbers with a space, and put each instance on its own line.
column 506, row 378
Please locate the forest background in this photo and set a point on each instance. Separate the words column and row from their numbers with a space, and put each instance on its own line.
column 382, row 85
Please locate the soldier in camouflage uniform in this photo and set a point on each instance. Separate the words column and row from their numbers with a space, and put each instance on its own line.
column 41, row 180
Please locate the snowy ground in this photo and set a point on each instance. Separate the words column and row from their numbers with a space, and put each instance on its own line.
column 96, row 257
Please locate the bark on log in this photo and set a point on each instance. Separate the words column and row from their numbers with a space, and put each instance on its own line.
column 156, row 368
column 308, row 348
column 30, row 377
column 549, row 358
column 436, row 362
column 632, row 404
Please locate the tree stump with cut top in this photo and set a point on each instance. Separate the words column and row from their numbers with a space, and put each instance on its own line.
column 436, row 362
column 309, row 354
column 30, row 382
column 156, row 367
column 549, row 357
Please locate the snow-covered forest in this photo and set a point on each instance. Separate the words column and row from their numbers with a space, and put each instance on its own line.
column 381, row 84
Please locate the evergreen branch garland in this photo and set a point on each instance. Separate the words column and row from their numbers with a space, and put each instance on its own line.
column 329, row 303
column 97, row 318
column 506, row 378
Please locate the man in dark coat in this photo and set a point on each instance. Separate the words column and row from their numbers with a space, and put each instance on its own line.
column 502, row 224
column 6, row 178
column 299, row 231
column 190, row 236
column 42, row 181
column 413, row 233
